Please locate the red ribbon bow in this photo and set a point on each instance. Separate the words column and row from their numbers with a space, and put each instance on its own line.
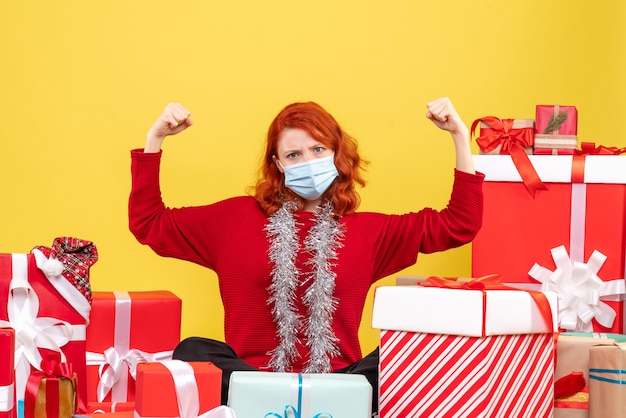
column 589, row 148
column 52, row 369
column 492, row 282
column 512, row 142
column 51, row 366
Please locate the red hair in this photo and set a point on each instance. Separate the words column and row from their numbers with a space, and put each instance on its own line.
column 270, row 191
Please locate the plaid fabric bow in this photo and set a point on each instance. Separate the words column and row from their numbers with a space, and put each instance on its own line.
column 75, row 256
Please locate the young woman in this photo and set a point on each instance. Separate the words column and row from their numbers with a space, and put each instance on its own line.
column 295, row 260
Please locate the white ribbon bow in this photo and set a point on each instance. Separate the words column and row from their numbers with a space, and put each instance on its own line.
column 187, row 393
column 31, row 332
column 580, row 290
column 114, row 367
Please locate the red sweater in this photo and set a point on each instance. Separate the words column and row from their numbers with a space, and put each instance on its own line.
column 229, row 238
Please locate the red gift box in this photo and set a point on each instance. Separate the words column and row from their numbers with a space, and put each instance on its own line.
column 556, row 120
column 464, row 351
column 162, row 387
column 583, row 210
column 556, row 130
column 51, row 308
column 127, row 328
column 7, row 373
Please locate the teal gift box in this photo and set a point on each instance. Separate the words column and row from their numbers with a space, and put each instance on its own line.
column 281, row 395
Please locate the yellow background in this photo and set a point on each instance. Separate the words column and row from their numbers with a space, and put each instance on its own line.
column 81, row 83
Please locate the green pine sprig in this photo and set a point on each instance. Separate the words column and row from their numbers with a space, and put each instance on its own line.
column 555, row 122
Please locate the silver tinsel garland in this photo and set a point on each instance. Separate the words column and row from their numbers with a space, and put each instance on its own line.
column 283, row 237
column 321, row 243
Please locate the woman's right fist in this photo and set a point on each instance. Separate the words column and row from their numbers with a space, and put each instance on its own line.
column 174, row 119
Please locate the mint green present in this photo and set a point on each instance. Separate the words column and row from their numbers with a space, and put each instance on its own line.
column 300, row 395
column 619, row 338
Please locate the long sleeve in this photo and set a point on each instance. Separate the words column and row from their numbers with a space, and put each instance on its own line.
column 460, row 221
column 396, row 240
column 196, row 233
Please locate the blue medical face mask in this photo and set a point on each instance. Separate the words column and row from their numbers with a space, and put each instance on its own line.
column 311, row 179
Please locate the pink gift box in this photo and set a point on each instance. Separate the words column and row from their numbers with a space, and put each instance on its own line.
column 556, row 130
column 548, row 117
column 134, row 326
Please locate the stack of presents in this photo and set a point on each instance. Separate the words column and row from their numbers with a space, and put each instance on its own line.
column 66, row 351
column 538, row 331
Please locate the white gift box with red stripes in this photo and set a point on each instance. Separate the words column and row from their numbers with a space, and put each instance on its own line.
column 464, row 353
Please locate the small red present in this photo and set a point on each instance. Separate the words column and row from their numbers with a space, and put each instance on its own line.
column 164, row 387
column 47, row 301
column 128, row 328
column 498, row 136
column 556, row 120
column 582, row 212
column 7, row 374
column 51, row 392
column 556, row 129
column 514, row 137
